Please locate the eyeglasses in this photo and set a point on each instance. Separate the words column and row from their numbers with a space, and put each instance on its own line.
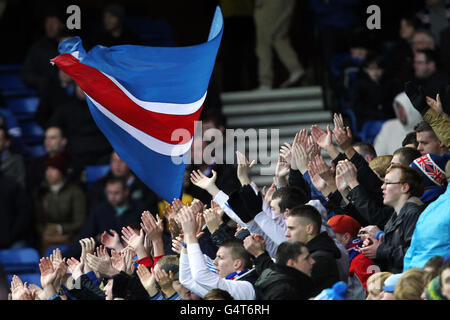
column 386, row 183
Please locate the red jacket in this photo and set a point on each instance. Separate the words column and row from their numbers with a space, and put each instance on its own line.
column 149, row 262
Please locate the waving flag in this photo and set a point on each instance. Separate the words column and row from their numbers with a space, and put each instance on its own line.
column 144, row 98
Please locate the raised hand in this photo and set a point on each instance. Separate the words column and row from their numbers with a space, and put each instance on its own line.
column 147, row 279
column 324, row 171
column 177, row 205
column 338, row 120
column 244, row 168
column 164, row 280
column 75, row 267
column 197, row 206
column 316, row 180
column 341, row 182
column 312, row 148
column 153, row 228
column 129, row 263
column 217, row 209
column 202, row 181
column 348, row 172
column 134, row 240
column 212, row 220
column 111, row 241
column 101, row 262
column 19, row 290
column 87, row 246
column 437, row 104
column 343, row 137
column 189, row 225
column 177, row 245
column 322, row 138
column 300, row 157
column 282, row 171
column 301, row 138
column 285, row 152
column 255, row 245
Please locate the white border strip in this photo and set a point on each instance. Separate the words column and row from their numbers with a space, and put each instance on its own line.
column 147, row 140
column 161, row 107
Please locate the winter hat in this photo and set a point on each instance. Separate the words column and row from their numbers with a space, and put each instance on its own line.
column 60, row 161
column 342, row 223
column 391, row 282
column 433, row 291
column 337, row 292
column 432, row 168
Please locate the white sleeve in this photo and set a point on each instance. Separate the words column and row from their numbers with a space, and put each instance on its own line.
column 186, row 277
column 239, row 290
column 221, row 199
column 273, row 230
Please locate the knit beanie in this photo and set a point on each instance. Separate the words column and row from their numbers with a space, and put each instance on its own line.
column 337, row 292
column 432, row 168
column 342, row 223
column 433, row 291
column 60, row 161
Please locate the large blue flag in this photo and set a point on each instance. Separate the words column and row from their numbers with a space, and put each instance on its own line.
column 145, row 100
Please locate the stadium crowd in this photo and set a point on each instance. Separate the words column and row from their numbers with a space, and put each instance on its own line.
column 373, row 223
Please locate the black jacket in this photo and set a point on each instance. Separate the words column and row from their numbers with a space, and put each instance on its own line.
column 87, row 290
column 277, row 282
column 398, row 233
column 280, row 282
column 325, row 271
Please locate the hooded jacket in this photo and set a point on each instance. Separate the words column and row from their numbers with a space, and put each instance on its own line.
column 325, row 270
column 280, row 282
column 431, row 235
column 394, row 131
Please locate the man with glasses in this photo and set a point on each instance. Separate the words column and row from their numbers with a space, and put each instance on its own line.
column 401, row 191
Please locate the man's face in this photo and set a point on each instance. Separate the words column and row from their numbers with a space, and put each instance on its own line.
column 428, row 143
column 295, row 230
column 342, row 238
column 54, row 141
column 111, row 22
column 374, row 72
column 392, row 192
column 420, row 41
column 224, row 262
column 53, row 176
column 304, row 262
column 401, row 114
column 116, row 194
column 445, row 283
column 422, row 68
column 397, row 159
column 119, row 168
column 53, row 27
column 275, row 206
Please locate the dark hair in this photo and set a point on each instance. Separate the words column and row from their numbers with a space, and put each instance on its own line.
column 410, row 176
column 218, row 294
column 410, row 139
column 423, row 126
column 61, row 130
column 238, row 251
column 373, row 58
column 445, row 265
column 288, row 250
column 366, row 148
column 290, row 197
column 407, row 155
column 120, row 180
column 413, row 21
column 7, row 134
column 430, row 55
column 216, row 116
column 310, row 213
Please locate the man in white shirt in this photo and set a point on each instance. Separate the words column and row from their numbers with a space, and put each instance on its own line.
column 232, row 262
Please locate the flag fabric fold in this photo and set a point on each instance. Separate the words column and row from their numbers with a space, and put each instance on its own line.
column 145, row 100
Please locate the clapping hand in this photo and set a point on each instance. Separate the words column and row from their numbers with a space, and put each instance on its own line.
column 205, row 183
column 244, row 168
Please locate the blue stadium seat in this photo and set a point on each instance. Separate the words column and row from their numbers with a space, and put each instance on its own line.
column 35, row 151
column 20, row 260
column 23, row 107
column 10, row 83
column 93, row 173
column 370, row 130
column 32, row 132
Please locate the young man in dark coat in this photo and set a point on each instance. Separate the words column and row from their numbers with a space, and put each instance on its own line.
column 290, row 277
